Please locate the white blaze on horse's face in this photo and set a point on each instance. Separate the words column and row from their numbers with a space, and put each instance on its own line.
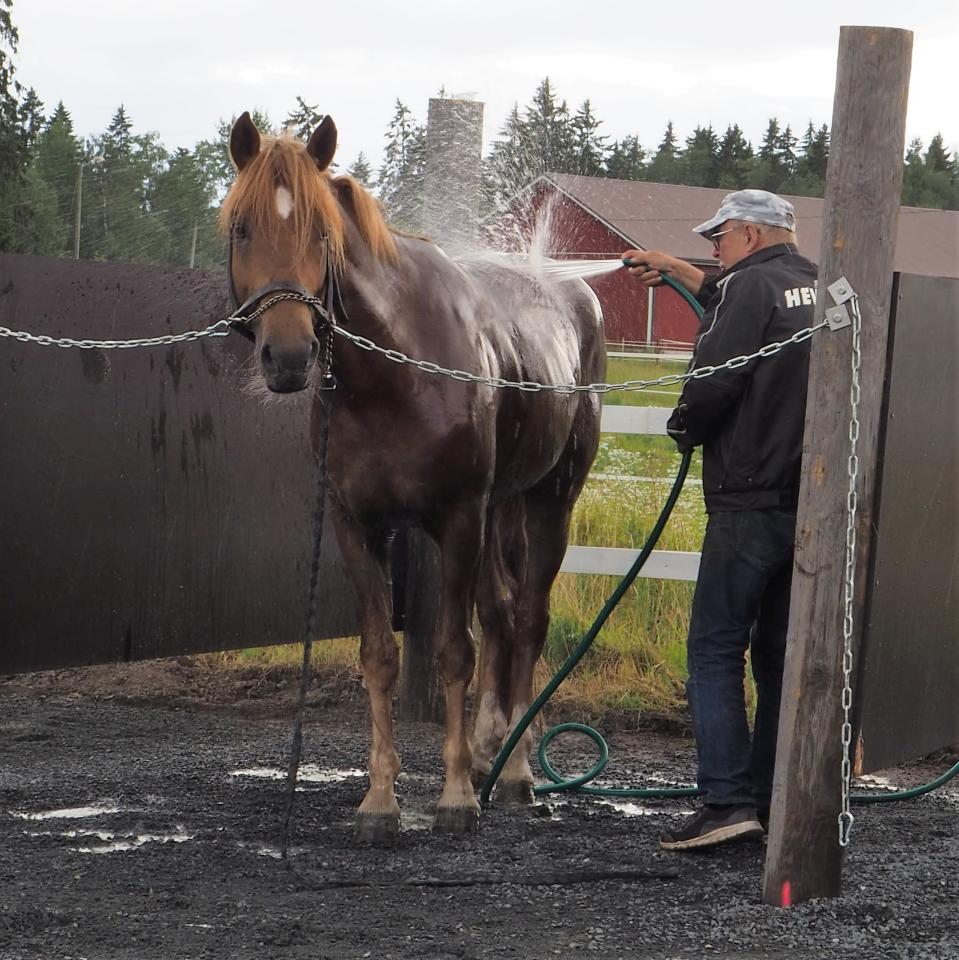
column 284, row 202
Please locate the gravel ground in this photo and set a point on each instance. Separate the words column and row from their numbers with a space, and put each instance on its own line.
column 128, row 831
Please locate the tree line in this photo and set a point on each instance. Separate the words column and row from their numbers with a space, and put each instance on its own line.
column 123, row 195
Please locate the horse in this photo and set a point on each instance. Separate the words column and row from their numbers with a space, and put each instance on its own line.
column 490, row 474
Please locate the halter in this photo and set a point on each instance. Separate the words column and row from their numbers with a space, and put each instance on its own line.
column 245, row 313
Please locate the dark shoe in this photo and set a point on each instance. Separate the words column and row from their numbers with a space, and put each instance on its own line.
column 712, row 826
column 762, row 815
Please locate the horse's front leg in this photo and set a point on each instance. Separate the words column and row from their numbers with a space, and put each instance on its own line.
column 461, row 542
column 367, row 559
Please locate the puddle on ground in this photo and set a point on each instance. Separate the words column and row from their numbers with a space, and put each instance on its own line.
column 308, row 773
column 871, row 781
column 112, row 842
column 129, row 841
column 412, row 820
column 629, row 809
column 69, row 813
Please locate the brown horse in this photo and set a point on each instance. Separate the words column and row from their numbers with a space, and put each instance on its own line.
column 490, row 474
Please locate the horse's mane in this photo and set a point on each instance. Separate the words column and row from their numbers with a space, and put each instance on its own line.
column 284, row 162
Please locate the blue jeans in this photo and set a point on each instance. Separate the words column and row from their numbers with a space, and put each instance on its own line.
column 741, row 603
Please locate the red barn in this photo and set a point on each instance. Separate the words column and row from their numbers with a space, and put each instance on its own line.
column 587, row 218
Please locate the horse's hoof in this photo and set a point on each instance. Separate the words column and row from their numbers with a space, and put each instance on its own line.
column 514, row 793
column 377, row 827
column 457, row 821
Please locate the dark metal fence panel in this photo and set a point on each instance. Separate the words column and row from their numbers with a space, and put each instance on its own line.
column 908, row 690
column 148, row 506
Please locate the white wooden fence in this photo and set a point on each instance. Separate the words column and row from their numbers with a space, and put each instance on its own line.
column 662, row 564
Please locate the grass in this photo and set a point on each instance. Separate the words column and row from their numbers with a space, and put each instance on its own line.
column 619, row 370
column 638, row 663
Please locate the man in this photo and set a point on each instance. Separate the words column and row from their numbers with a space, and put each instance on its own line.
column 749, row 421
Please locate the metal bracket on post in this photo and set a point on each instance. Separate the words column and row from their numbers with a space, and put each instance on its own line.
column 838, row 316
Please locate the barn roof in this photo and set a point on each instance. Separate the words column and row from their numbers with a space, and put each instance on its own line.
column 661, row 216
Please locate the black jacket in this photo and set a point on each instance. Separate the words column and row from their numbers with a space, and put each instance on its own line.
column 750, row 419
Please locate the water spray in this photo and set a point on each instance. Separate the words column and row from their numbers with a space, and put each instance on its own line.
column 583, row 269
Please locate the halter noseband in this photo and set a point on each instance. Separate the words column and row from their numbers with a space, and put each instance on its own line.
column 244, row 313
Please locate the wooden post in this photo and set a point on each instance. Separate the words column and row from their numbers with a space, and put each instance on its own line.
column 863, row 184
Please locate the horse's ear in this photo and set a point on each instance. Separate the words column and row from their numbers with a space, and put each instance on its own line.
column 244, row 141
column 322, row 143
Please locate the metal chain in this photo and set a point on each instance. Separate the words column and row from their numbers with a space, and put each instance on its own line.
column 532, row 386
column 845, row 815
column 219, row 329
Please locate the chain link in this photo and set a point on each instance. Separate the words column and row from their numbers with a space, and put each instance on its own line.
column 219, row 329
column 852, row 468
column 531, row 386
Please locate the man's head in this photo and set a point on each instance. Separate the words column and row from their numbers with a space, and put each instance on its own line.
column 747, row 221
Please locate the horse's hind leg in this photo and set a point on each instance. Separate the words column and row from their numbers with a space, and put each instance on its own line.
column 549, row 508
column 366, row 557
column 460, row 537
column 502, row 571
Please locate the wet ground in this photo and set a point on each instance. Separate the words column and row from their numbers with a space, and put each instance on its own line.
column 150, row 830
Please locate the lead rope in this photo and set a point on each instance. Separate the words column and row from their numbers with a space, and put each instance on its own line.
column 296, row 747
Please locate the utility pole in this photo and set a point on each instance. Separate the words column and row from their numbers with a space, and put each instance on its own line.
column 193, row 247
column 861, row 210
column 76, row 224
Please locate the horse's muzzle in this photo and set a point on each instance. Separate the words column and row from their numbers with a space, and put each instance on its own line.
column 286, row 367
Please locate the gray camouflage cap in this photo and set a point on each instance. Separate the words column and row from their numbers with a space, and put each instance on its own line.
column 756, row 206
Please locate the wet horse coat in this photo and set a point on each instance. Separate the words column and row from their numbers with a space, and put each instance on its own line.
column 490, row 474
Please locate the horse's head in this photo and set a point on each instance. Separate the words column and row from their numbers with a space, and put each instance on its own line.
column 285, row 236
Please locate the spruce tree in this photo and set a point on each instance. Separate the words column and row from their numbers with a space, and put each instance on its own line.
column 12, row 152
column 589, row 149
column 768, row 172
column 809, row 176
column 928, row 176
column 734, row 159
column 664, row 167
column 699, row 163
column 184, row 214
column 507, row 168
column 303, row 120
column 361, row 171
column 57, row 158
column 401, row 176
column 626, row 160
column 548, row 133
column 937, row 158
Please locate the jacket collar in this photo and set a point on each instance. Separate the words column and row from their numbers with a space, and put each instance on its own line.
column 760, row 256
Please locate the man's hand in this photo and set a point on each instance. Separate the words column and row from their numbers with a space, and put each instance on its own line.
column 676, row 428
column 648, row 266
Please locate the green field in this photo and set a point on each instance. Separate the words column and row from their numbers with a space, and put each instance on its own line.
column 638, row 661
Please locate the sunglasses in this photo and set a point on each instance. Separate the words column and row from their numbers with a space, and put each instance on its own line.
column 714, row 238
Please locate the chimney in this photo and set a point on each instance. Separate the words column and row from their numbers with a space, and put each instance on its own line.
column 451, row 190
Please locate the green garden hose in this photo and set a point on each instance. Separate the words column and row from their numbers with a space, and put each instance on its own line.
column 579, row 784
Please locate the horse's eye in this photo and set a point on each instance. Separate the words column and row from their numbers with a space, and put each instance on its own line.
column 239, row 230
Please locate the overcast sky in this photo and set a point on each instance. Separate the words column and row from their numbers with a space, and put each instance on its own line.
column 181, row 65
